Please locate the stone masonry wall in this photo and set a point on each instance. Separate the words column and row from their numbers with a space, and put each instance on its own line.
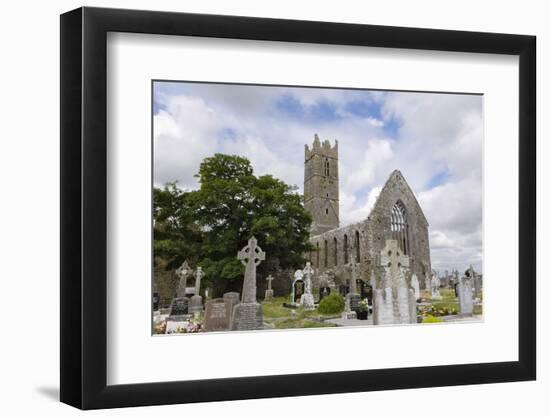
column 372, row 233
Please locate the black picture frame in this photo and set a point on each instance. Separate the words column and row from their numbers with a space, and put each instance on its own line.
column 84, row 207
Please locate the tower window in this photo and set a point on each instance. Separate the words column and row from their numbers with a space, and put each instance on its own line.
column 400, row 227
column 357, row 247
column 327, row 167
column 346, row 259
column 326, row 211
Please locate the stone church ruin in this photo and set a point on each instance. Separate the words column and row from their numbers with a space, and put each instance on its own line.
column 396, row 215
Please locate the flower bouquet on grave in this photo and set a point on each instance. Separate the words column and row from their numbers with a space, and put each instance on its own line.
column 363, row 310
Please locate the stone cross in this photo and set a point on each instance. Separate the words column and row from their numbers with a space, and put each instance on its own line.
column 269, row 279
column 198, row 275
column 308, row 272
column 372, row 279
column 393, row 258
column 250, row 256
column 182, row 272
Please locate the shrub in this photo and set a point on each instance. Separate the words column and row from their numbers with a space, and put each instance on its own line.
column 331, row 304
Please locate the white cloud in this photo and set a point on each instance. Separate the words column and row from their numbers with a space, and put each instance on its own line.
column 454, row 212
column 184, row 134
column 363, row 170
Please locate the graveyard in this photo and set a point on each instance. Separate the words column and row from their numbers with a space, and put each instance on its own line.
column 305, row 307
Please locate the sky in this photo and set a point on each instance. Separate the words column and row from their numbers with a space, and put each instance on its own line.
column 435, row 140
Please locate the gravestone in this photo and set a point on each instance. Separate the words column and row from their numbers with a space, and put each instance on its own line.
column 179, row 308
column 232, row 296
column 465, row 301
column 269, row 291
column 247, row 315
column 352, row 301
column 298, row 276
column 470, row 272
column 323, row 292
column 372, row 279
column 217, row 315
column 383, row 306
column 394, row 302
column 156, row 301
column 196, row 300
column 195, row 305
column 299, row 290
column 353, row 297
column 434, row 286
column 183, row 272
column 415, row 285
column 306, row 300
column 478, row 285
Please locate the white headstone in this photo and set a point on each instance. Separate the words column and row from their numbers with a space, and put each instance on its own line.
column 465, row 299
column 394, row 302
column 306, row 301
column 435, row 283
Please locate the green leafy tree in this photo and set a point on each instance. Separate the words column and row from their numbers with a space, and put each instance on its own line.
column 210, row 225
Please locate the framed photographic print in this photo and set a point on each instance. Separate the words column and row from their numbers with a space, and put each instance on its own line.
column 259, row 207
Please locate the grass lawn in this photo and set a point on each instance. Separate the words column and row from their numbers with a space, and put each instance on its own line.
column 276, row 316
column 449, row 301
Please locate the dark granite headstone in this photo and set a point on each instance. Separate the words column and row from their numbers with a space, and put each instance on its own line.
column 179, row 306
column 299, row 289
column 323, row 292
column 217, row 315
column 353, row 301
column 156, row 301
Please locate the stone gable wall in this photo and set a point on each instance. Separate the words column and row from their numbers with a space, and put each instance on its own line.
column 373, row 232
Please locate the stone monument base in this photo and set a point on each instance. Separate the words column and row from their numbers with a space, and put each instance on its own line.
column 349, row 315
column 247, row 316
column 307, row 302
column 268, row 295
column 179, row 317
column 196, row 304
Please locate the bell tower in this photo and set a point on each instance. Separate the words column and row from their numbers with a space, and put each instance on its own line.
column 321, row 189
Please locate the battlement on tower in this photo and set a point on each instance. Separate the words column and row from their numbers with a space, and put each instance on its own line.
column 323, row 149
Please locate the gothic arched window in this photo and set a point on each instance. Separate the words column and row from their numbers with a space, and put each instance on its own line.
column 317, row 254
column 399, row 226
column 326, row 254
column 335, row 252
column 327, row 167
column 357, row 247
column 346, row 258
